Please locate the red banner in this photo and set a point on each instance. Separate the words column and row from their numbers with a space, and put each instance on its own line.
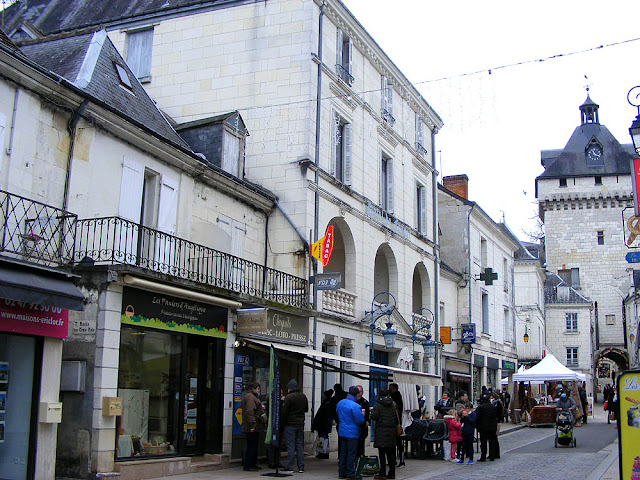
column 30, row 319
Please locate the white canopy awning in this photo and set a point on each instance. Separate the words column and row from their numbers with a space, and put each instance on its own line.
column 549, row 369
column 400, row 375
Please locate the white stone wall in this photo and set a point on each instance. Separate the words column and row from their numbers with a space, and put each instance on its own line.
column 571, row 242
column 529, row 304
column 558, row 339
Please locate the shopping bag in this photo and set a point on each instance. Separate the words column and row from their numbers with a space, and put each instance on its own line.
column 368, row 466
column 321, row 445
column 606, row 404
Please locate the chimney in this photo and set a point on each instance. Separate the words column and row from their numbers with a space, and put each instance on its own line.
column 458, row 184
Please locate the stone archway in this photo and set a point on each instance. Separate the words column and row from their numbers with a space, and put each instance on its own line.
column 605, row 362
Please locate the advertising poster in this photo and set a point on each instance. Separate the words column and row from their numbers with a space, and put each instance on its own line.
column 33, row 319
column 242, row 369
column 629, row 424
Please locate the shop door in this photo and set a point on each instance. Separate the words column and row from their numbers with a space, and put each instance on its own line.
column 194, row 396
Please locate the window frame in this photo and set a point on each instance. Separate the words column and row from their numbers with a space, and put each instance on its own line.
column 562, row 182
column 572, row 357
column 341, row 148
column 344, row 57
column 485, row 313
column 600, row 237
column 386, row 182
column 571, row 322
column 421, row 208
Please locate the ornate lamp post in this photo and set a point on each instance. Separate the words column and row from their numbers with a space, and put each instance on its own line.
column 385, row 308
column 422, row 326
column 633, row 97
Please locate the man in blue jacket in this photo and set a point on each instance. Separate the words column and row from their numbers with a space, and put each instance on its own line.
column 350, row 417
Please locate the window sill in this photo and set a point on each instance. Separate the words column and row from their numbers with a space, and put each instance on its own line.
column 571, row 332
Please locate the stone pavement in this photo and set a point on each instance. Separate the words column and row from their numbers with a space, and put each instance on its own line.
column 316, row 469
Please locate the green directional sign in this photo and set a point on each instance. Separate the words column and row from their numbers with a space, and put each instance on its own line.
column 488, row 276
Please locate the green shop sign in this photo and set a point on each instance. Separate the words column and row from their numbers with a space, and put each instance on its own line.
column 507, row 365
column 174, row 314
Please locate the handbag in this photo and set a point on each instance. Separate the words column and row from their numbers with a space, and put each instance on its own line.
column 606, row 404
column 399, row 430
column 368, row 465
column 321, row 445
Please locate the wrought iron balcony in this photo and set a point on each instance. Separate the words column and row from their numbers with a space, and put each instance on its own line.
column 36, row 232
column 344, row 74
column 114, row 240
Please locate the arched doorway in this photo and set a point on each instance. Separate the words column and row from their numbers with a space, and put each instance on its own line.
column 609, row 363
column 385, row 273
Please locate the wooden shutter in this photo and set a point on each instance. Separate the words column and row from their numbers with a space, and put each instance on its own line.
column 383, row 93
column 139, row 46
column 166, row 247
column 346, row 161
column 390, row 185
column 423, row 210
column 125, row 247
column 335, row 143
column 339, row 39
column 389, row 98
column 350, row 59
column 419, row 131
column 230, row 153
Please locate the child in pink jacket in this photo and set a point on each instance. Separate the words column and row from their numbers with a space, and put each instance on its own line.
column 455, row 431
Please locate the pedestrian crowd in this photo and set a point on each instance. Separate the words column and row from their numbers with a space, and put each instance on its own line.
column 352, row 415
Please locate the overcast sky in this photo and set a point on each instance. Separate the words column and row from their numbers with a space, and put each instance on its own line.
column 496, row 123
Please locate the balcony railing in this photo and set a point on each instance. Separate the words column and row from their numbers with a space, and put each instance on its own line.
column 36, row 232
column 339, row 302
column 114, row 240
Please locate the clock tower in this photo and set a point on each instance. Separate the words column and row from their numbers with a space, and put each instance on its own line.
column 583, row 195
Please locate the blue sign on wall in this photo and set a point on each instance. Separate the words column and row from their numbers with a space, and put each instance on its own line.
column 633, row 257
column 468, row 333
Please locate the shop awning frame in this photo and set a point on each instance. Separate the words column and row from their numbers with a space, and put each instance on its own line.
column 319, row 360
column 40, row 289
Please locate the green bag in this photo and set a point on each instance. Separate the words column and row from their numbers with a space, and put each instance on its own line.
column 368, row 466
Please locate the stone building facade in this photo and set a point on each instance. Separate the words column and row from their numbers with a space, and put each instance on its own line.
column 585, row 198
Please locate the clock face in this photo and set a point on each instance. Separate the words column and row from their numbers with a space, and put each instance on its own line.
column 594, row 153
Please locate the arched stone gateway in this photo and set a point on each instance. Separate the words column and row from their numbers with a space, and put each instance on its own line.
column 617, row 355
column 608, row 363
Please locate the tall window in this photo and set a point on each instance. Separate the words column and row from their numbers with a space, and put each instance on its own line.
column 571, row 320
column 421, row 209
column 507, row 326
column 600, row 236
column 341, row 150
column 483, row 252
column 386, row 183
column 505, row 275
column 572, row 356
column 571, row 276
column 420, row 135
column 386, row 90
column 344, row 57
column 139, row 43
column 485, row 313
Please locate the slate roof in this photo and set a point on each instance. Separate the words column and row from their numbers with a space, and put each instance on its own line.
column 51, row 16
column 556, row 291
column 571, row 161
column 88, row 61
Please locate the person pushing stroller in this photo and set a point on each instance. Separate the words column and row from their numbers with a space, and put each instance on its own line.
column 566, row 405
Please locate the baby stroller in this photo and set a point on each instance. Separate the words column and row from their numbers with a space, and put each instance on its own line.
column 564, row 430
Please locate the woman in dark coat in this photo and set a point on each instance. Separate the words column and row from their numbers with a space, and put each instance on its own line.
column 385, row 416
column 609, row 393
column 323, row 420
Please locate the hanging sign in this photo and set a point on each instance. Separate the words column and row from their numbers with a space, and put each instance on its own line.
column 323, row 248
column 445, row 335
column 468, row 336
column 635, row 179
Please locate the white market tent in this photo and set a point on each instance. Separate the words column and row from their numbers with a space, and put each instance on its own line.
column 505, row 380
column 549, row 369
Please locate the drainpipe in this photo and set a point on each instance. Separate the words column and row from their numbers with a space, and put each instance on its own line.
column 436, row 252
column 71, row 126
column 13, row 121
column 316, row 200
column 469, row 283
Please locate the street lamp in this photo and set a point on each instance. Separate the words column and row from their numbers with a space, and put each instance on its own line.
column 422, row 325
column 385, row 308
column 633, row 97
column 526, row 335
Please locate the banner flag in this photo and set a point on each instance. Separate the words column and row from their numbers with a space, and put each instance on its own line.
column 272, row 436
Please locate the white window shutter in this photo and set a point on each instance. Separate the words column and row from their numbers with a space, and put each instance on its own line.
column 166, row 247
column 390, row 186
column 230, row 153
column 350, row 59
column 419, row 131
column 423, row 210
column 335, row 142
column 131, row 187
column 339, row 51
column 389, row 98
column 380, row 182
column 383, row 93
column 347, row 154
column 139, row 45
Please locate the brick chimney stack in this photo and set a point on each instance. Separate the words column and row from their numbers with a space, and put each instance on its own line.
column 458, row 184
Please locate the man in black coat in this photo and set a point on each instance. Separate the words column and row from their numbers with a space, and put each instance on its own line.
column 396, row 396
column 506, row 400
column 585, row 404
column 364, row 428
column 294, row 408
column 486, row 424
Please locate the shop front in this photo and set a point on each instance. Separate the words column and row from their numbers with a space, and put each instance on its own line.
column 478, row 372
column 34, row 320
column 256, row 328
column 171, row 376
column 493, row 380
column 457, row 376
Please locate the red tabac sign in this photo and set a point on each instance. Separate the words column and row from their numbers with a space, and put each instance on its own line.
column 635, row 177
column 322, row 248
column 30, row 319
